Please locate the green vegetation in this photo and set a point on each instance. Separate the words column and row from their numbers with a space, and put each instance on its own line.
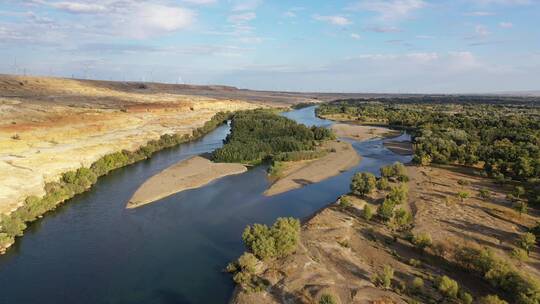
column 363, row 183
column 327, row 299
column 422, row 240
column 367, row 213
column 527, row 241
column 384, row 278
column 416, row 285
column 448, row 287
column 397, row 171
column 80, row 180
column 261, row 135
column 522, row 288
column 276, row 241
column 491, row 299
column 244, row 273
column 502, row 134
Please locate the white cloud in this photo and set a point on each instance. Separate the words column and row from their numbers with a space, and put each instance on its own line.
column 79, row 8
column 289, row 14
column 383, row 29
column 355, row 36
column 201, row 2
column 245, row 5
column 479, row 14
column 502, row 2
column 389, row 9
column 506, row 24
column 149, row 19
column 481, row 31
column 334, row 20
column 242, row 18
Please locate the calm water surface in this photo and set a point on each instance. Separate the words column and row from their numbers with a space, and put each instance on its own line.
column 93, row 250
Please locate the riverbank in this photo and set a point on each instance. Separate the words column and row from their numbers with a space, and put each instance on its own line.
column 399, row 147
column 341, row 157
column 187, row 174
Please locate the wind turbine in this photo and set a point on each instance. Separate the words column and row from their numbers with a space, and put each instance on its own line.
column 15, row 66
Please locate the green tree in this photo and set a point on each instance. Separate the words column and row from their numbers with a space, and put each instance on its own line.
column 383, row 184
column 363, row 183
column 386, row 210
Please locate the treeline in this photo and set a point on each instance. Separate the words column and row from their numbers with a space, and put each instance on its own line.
column 505, row 139
column 78, row 181
column 260, row 135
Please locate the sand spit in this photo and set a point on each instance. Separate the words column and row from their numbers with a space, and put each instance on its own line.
column 187, row 174
column 343, row 159
column 399, row 147
column 358, row 132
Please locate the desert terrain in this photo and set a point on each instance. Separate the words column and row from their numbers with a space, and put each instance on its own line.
column 50, row 125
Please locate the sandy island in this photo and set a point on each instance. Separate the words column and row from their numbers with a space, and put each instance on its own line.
column 358, row 132
column 187, row 174
column 299, row 174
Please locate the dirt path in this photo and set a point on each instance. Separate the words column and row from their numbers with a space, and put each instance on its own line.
column 187, row 174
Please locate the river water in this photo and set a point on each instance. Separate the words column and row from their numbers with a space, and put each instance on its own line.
column 93, row 250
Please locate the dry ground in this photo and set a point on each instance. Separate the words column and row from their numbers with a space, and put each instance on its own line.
column 358, row 132
column 187, row 174
column 340, row 252
column 304, row 173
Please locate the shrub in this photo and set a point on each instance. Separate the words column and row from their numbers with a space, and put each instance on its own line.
column 363, row 183
column 466, row 298
column 384, row 278
column 520, row 254
column 491, row 299
column 327, row 299
column 521, row 207
column 415, row 262
column 395, row 171
column 485, row 194
column 270, row 242
column 386, row 210
column 367, row 213
column 417, row 284
column 527, row 241
column 422, row 240
column 448, row 287
column 398, row 195
column 345, row 202
column 402, row 218
column 462, row 195
column 383, row 184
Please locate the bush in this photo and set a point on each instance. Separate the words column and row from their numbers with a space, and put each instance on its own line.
column 386, row 210
column 327, row 299
column 527, row 241
column 383, row 184
column 345, row 202
column 448, row 287
column 520, row 254
column 396, row 171
column 485, row 194
column 462, row 195
column 384, row 278
column 422, row 240
column 367, row 213
column 402, row 218
column 491, row 299
column 417, row 285
column 398, row 195
column 466, row 298
column 521, row 207
column 270, row 242
column 363, row 183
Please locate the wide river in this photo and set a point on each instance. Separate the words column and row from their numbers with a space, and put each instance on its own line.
column 93, row 250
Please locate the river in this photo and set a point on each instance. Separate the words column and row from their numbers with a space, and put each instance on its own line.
column 93, row 250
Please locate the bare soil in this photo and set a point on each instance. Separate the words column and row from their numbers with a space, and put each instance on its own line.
column 359, row 132
column 187, row 174
column 341, row 158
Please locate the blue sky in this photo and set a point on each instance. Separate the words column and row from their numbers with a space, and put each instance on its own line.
column 446, row 46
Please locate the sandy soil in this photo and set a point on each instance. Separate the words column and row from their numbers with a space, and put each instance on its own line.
column 305, row 173
column 399, row 147
column 359, row 132
column 488, row 222
column 187, row 174
column 49, row 126
column 339, row 251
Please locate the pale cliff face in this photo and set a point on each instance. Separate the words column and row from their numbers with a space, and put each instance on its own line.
column 50, row 126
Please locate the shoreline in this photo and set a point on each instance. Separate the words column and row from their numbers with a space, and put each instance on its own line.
column 51, row 200
column 190, row 173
